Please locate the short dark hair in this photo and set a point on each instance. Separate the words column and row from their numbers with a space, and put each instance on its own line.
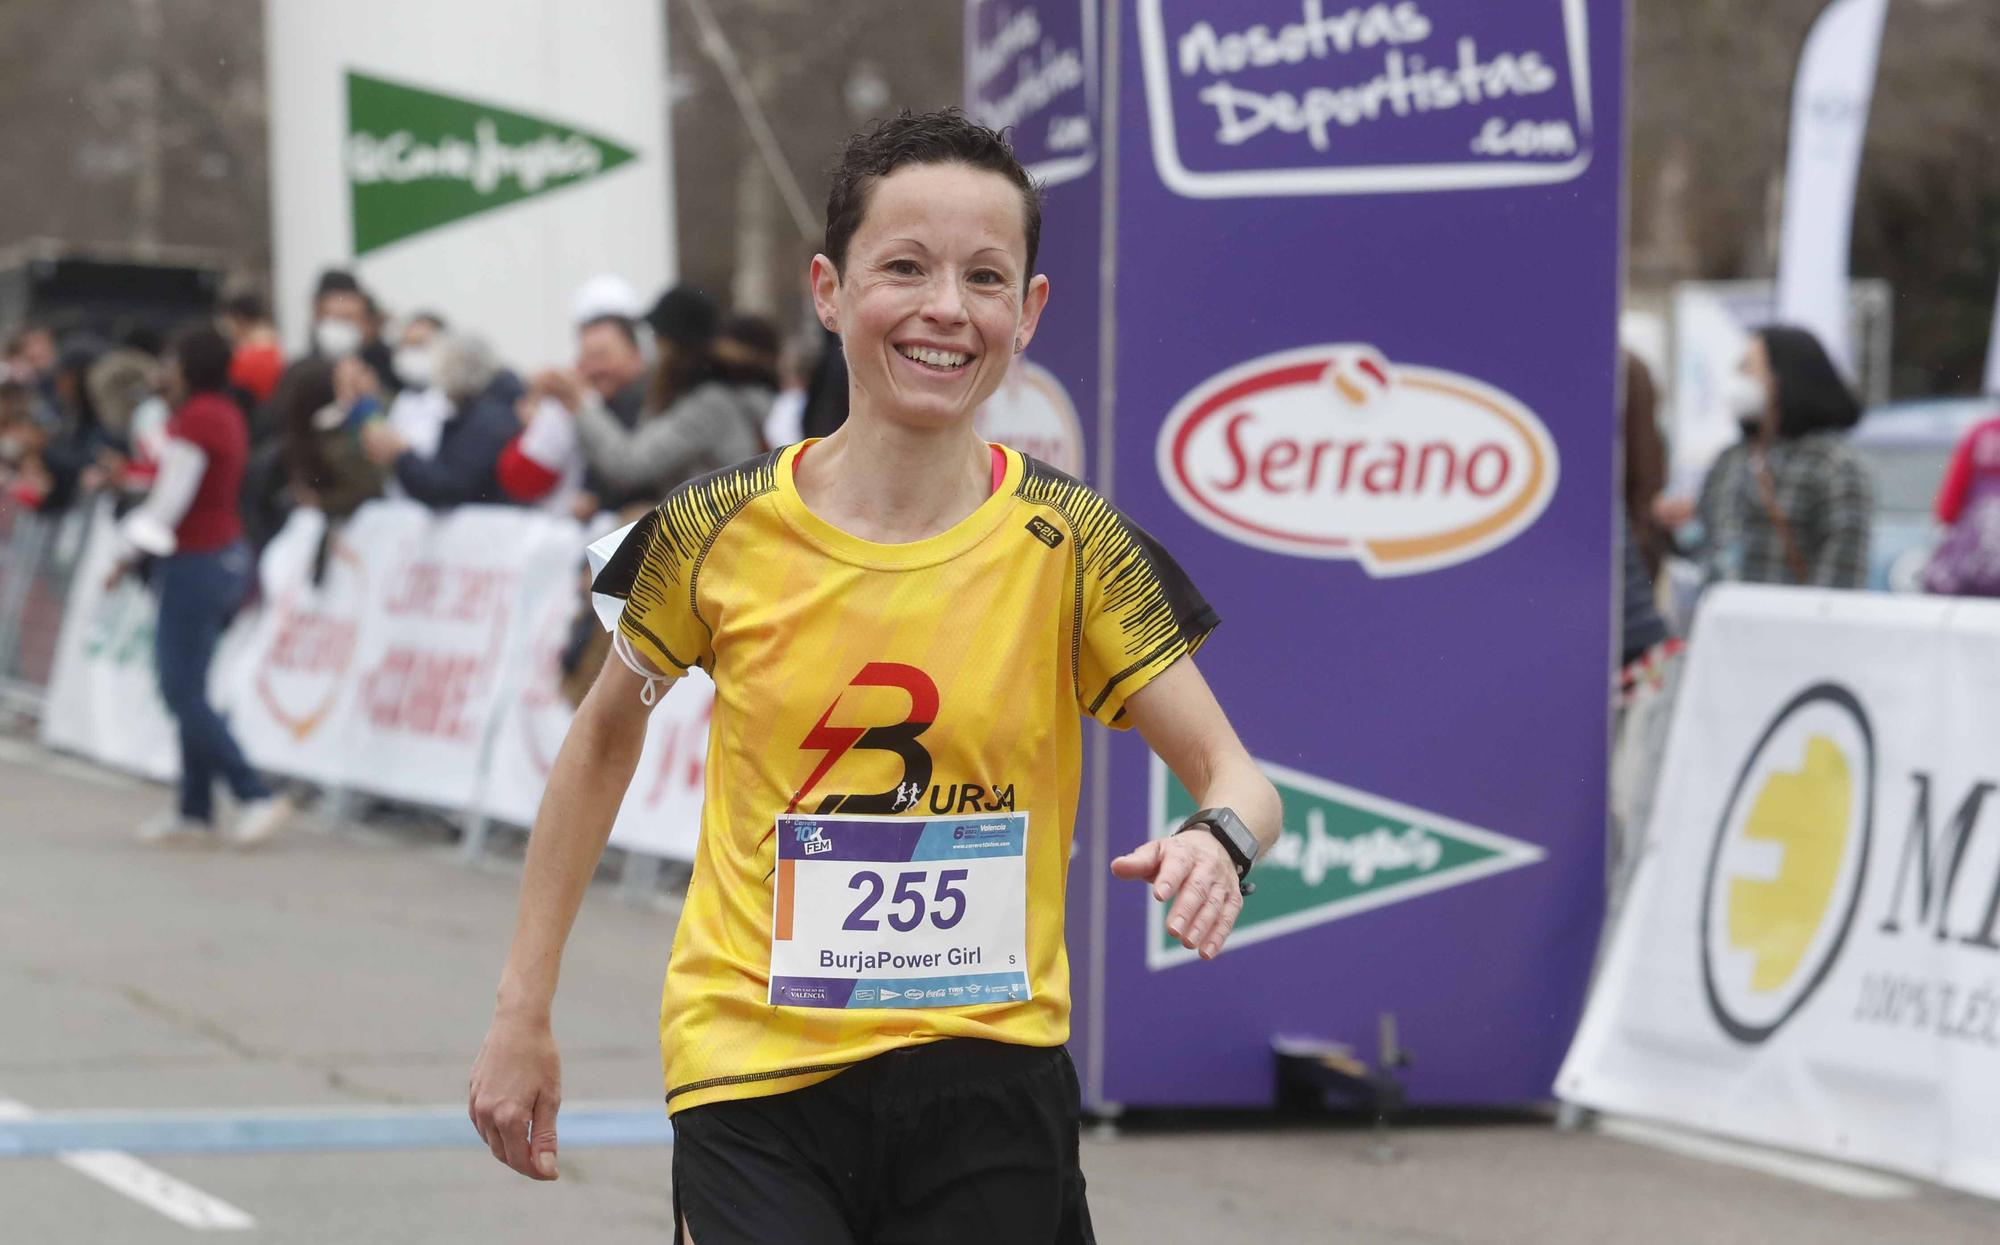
column 1811, row 395
column 622, row 323
column 203, row 354
column 244, row 306
column 336, row 281
column 945, row 136
column 431, row 318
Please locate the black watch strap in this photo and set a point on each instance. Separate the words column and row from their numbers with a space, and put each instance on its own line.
column 1235, row 837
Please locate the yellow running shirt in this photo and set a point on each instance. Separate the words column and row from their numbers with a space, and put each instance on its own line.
column 929, row 679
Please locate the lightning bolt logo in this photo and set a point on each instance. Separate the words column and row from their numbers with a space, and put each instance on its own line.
column 834, row 742
column 831, row 741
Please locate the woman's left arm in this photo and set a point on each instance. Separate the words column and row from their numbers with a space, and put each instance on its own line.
column 1185, row 727
column 1850, row 513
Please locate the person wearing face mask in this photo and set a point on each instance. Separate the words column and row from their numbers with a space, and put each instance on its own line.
column 418, row 413
column 1791, row 503
column 462, row 469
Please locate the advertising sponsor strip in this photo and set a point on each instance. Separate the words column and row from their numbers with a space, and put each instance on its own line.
column 1809, row 956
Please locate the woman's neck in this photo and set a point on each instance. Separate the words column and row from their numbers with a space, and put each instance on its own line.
column 893, row 485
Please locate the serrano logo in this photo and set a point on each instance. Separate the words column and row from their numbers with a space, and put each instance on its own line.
column 1332, row 452
column 313, row 640
column 1785, row 874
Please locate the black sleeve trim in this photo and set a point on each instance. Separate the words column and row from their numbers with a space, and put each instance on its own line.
column 1157, row 604
column 669, row 544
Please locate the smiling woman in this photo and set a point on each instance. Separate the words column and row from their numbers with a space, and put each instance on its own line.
column 906, row 625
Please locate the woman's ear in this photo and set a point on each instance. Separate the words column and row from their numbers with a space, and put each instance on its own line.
column 1031, row 312
column 825, row 286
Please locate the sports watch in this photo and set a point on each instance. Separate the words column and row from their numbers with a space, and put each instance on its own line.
column 1234, row 836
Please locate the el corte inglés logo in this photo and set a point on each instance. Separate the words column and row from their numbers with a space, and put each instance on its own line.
column 1342, row 852
column 417, row 159
column 1785, row 875
column 1334, row 452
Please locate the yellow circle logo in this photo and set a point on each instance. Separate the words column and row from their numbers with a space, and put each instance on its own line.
column 1785, row 875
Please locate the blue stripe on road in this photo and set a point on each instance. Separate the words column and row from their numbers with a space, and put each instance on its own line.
column 209, row 1132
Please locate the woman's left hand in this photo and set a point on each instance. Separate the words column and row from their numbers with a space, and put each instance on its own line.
column 381, row 443
column 1196, row 867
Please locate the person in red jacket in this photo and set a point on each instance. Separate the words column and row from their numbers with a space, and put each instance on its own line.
column 191, row 525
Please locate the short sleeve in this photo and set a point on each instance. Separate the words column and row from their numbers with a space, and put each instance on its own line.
column 1141, row 614
column 652, row 571
column 198, row 424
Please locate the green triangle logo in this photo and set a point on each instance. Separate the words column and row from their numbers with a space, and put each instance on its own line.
column 417, row 159
column 1342, row 852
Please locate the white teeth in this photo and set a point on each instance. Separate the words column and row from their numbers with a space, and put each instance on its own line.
column 935, row 358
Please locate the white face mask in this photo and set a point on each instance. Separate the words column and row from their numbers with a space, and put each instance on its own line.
column 1746, row 397
column 416, row 366
column 336, row 339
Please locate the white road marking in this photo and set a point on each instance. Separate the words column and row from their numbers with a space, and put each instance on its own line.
column 1819, row 1173
column 146, row 1184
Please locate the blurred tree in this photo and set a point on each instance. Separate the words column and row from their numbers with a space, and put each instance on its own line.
column 1711, row 108
column 128, row 122
column 818, row 72
column 135, row 123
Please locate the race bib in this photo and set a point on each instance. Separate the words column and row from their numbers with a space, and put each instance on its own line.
column 900, row 911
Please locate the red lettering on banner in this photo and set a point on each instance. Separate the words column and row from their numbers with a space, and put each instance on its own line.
column 421, row 693
column 1377, row 467
column 312, row 643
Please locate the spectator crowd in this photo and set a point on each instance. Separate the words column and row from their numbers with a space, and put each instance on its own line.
column 413, row 405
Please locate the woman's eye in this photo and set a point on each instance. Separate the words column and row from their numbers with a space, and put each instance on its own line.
column 903, row 267
column 986, row 276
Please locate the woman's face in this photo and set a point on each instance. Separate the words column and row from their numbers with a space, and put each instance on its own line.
column 1756, row 365
column 173, row 385
column 935, row 298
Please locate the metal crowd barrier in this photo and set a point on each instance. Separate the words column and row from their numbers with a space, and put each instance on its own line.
column 38, row 555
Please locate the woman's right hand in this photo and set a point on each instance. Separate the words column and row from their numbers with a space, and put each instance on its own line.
column 1673, row 513
column 515, row 1092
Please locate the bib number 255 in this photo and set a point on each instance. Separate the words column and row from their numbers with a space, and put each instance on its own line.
column 908, row 904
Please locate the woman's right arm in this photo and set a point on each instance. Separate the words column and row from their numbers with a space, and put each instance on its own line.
column 516, row 1086
column 1957, row 479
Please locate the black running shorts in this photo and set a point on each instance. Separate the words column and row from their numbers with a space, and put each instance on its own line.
column 961, row 1140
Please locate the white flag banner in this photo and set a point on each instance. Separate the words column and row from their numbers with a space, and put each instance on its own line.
column 1830, row 99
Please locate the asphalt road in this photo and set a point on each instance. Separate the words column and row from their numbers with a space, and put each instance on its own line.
column 216, row 1020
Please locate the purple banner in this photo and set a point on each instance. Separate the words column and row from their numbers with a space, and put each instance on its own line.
column 1362, row 344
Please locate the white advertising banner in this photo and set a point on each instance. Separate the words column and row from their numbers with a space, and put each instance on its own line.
column 1830, row 99
column 104, row 695
column 479, row 158
column 1809, row 956
column 422, row 663
column 386, row 674
column 661, row 815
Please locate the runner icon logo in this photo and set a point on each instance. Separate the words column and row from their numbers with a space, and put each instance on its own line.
column 1785, row 875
